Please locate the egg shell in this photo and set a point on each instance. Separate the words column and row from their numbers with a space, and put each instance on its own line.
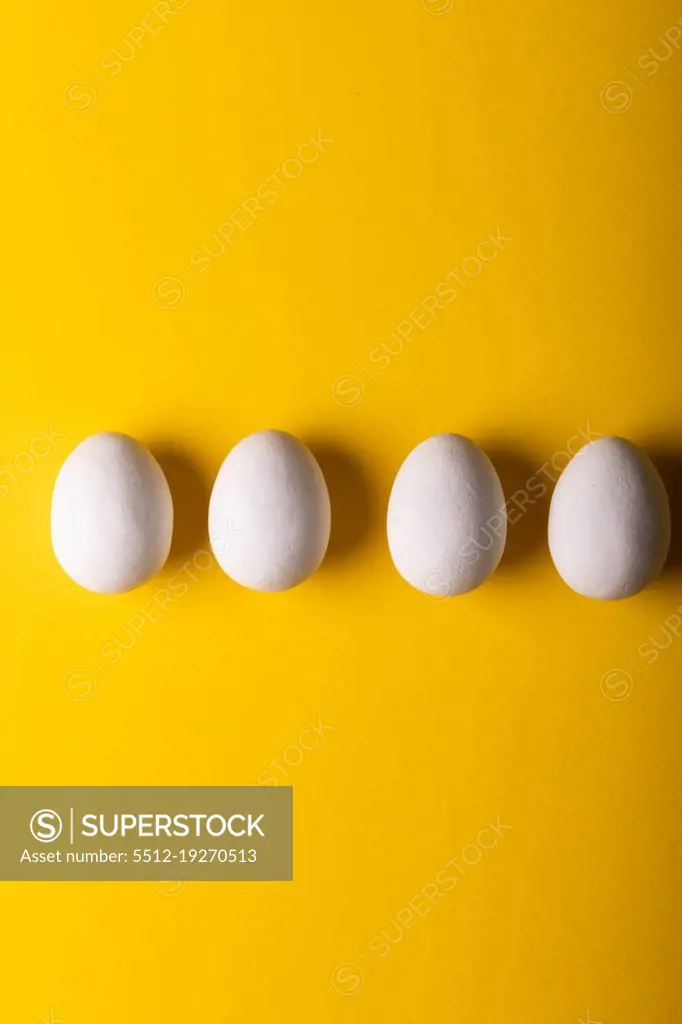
column 609, row 521
column 447, row 524
column 269, row 515
column 112, row 514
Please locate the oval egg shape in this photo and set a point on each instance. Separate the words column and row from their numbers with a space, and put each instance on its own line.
column 269, row 516
column 609, row 521
column 112, row 514
column 447, row 523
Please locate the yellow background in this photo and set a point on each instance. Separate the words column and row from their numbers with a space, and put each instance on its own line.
column 448, row 120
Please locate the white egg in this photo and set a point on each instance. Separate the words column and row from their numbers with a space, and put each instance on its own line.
column 609, row 521
column 269, row 517
column 112, row 514
column 447, row 523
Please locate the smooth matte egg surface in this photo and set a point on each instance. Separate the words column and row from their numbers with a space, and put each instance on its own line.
column 446, row 520
column 112, row 514
column 269, row 515
column 609, row 523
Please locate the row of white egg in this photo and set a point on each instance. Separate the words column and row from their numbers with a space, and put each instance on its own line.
column 270, row 517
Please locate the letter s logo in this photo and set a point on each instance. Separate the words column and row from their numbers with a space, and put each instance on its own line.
column 46, row 826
